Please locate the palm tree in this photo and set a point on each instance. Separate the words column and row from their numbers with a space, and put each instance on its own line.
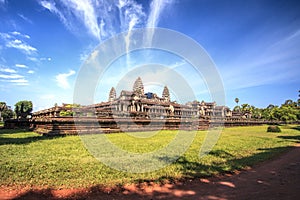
column 237, row 100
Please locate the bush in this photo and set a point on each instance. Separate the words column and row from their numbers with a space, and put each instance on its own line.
column 274, row 129
column 66, row 113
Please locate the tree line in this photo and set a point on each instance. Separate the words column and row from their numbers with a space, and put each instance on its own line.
column 22, row 110
column 288, row 111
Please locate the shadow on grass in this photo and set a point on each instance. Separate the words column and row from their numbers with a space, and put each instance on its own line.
column 175, row 189
column 293, row 138
column 296, row 128
column 14, row 139
column 12, row 131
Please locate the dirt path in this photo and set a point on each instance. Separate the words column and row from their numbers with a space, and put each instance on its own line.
column 275, row 179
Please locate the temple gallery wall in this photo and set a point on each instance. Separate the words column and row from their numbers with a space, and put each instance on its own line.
column 134, row 111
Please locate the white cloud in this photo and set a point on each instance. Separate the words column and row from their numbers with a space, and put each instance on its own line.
column 20, row 34
column 62, row 79
column 25, row 18
column 43, row 59
column 21, row 66
column 22, row 46
column 21, row 83
column 22, row 80
column 84, row 10
column 11, row 76
column 155, row 10
column 11, row 41
column 52, row 8
column 30, row 72
column 7, row 70
column 5, row 36
column 99, row 17
column 34, row 59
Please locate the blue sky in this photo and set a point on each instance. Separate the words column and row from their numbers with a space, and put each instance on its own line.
column 254, row 44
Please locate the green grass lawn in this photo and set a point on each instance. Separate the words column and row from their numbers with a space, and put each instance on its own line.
column 28, row 159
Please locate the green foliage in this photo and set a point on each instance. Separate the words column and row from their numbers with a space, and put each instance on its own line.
column 66, row 113
column 2, row 108
column 274, row 129
column 23, row 109
column 72, row 105
column 287, row 112
column 29, row 159
column 256, row 113
column 69, row 109
column 237, row 109
column 7, row 114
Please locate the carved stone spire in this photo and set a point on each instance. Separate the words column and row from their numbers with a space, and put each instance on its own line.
column 112, row 94
column 166, row 94
column 138, row 87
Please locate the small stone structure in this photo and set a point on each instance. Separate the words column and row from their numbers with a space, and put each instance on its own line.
column 134, row 111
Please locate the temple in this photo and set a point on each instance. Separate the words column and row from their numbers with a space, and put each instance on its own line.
column 137, row 103
column 133, row 111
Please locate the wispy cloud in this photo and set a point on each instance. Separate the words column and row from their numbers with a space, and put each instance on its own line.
column 33, row 59
column 15, row 40
column 275, row 62
column 21, row 66
column 30, row 72
column 48, row 59
column 25, row 18
column 62, row 79
column 22, row 46
column 20, row 34
column 51, row 6
column 156, row 8
column 11, row 76
column 102, row 18
column 7, row 70
column 19, row 81
column 82, row 9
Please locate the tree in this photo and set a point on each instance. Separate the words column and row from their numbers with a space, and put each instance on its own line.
column 290, row 103
column 2, row 108
column 246, row 108
column 7, row 113
column 23, row 109
column 237, row 101
column 237, row 109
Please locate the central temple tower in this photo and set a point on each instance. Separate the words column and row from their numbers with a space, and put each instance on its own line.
column 138, row 87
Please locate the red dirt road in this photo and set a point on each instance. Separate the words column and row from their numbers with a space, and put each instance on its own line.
column 275, row 179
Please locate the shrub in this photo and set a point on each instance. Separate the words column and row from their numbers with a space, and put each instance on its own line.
column 66, row 113
column 274, row 129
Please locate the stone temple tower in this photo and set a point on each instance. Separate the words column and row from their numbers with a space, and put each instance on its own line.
column 112, row 94
column 166, row 94
column 138, row 87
